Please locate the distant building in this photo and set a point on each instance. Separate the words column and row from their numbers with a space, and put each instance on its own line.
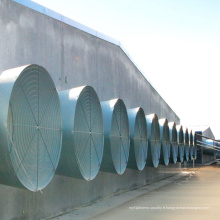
column 202, row 156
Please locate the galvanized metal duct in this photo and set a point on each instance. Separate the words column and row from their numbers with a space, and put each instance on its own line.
column 180, row 142
column 165, row 142
column 154, row 141
column 30, row 127
column 186, row 143
column 209, row 147
column 83, row 135
column 117, row 140
column 191, row 149
column 173, row 142
column 138, row 139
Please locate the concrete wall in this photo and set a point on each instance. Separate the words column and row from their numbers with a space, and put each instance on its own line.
column 64, row 194
column 74, row 58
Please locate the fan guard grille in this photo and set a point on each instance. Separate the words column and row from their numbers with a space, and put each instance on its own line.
column 155, row 142
column 34, row 127
column 88, row 133
column 173, row 142
column 191, row 147
column 165, row 143
column 120, row 137
column 140, row 139
column 180, row 142
column 186, row 144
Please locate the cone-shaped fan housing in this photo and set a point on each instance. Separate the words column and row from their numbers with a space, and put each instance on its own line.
column 186, row 143
column 153, row 140
column 195, row 145
column 117, row 140
column 173, row 142
column 138, row 139
column 31, row 126
column 83, row 135
column 165, row 142
column 190, row 145
column 180, row 142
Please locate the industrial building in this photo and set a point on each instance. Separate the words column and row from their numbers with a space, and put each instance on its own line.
column 63, row 84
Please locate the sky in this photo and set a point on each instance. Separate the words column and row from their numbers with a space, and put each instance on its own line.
column 175, row 44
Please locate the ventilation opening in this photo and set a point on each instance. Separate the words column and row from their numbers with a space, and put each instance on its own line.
column 34, row 127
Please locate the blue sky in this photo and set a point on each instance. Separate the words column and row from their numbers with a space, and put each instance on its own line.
column 176, row 44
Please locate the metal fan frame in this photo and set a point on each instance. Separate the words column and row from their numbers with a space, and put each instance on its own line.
column 165, row 142
column 82, row 128
column 117, row 139
column 186, row 143
column 138, row 139
column 180, row 142
column 31, row 127
column 173, row 142
column 154, row 140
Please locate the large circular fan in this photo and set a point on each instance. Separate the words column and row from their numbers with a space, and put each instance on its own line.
column 195, row 145
column 153, row 140
column 117, row 141
column 138, row 135
column 186, row 143
column 191, row 145
column 180, row 142
column 165, row 142
column 33, row 124
column 83, row 137
column 173, row 142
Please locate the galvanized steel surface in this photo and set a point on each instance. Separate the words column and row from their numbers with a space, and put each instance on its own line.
column 83, row 135
column 165, row 142
column 209, row 147
column 138, row 139
column 194, row 145
column 180, row 142
column 186, row 143
column 173, row 142
column 153, row 140
column 101, row 65
column 117, row 139
column 31, row 126
column 191, row 145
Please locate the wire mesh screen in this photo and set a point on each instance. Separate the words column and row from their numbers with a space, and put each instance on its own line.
column 154, row 140
column 195, row 145
column 120, row 141
column 191, row 145
column 88, row 133
column 173, row 142
column 34, row 127
column 165, row 142
column 186, row 144
column 180, row 143
column 138, row 139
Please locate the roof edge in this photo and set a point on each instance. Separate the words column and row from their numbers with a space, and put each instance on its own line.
column 55, row 15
